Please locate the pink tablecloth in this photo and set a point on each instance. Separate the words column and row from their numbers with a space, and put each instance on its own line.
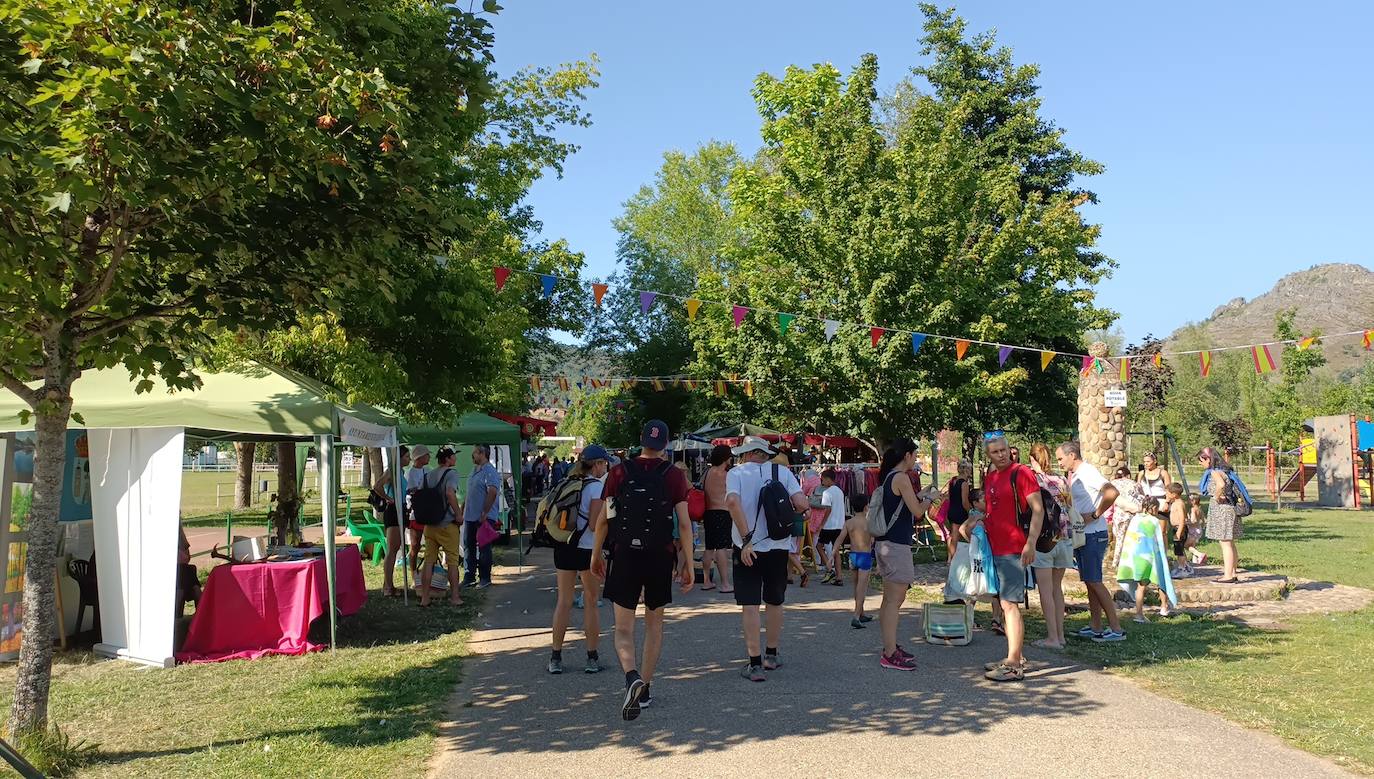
column 255, row 609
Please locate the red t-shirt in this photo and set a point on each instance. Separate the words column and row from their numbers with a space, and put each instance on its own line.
column 675, row 480
column 1004, row 531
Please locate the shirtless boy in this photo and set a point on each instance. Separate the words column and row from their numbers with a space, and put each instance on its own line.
column 860, row 556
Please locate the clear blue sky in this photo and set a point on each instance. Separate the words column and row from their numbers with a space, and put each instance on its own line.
column 1236, row 136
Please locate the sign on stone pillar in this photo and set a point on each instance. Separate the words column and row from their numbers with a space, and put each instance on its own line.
column 1101, row 430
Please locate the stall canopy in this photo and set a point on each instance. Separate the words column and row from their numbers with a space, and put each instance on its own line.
column 711, row 432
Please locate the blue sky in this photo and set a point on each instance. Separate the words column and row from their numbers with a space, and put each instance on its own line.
column 1236, row 136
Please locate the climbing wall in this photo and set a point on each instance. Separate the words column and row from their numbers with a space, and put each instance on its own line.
column 1335, row 462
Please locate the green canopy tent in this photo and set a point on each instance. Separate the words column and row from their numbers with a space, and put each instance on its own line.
column 710, row 432
column 143, row 430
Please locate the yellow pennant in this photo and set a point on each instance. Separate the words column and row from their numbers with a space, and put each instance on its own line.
column 1307, row 343
column 720, row 388
column 1045, row 358
column 1159, row 360
column 749, row 389
column 693, row 305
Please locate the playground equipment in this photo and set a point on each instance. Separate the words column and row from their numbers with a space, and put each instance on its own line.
column 1333, row 450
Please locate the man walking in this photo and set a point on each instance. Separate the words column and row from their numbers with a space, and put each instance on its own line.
column 1092, row 496
column 443, row 535
column 760, row 562
column 1011, row 491
column 650, row 501
column 483, row 486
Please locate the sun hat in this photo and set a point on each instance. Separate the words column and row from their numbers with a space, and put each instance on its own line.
column 753, row 444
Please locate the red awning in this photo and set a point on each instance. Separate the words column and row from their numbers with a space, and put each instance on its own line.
column 528, row 425
column 833, row 441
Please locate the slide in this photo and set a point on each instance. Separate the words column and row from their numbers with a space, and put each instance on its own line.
column 1305, row 473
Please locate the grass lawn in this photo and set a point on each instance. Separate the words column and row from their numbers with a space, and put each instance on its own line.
column 199, row 506
column 1321, row 544
column 368, row 709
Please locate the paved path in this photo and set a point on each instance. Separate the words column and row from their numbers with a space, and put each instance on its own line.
column 830, row 711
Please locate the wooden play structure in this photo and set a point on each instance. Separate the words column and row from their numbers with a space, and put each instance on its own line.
column 1336, row 451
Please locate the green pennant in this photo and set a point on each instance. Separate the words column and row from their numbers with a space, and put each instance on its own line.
column 784, row 320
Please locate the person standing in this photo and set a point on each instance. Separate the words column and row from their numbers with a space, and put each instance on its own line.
column 760, row 562
column 483, row 487
column 419, row 458
column 1011, row 491
column 385, row 487
column 832, row 500
column 573, row 560
column 715, row 523
column 957, row 493
column 444, row 535
column 1223, row 524
column 1154, row 483
column 649, row 494
column 892, row 551
column 1093, row 497
column 1049, row 567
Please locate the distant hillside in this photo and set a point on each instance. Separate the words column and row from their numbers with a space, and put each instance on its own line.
column 557, row 359
column 1333, row 298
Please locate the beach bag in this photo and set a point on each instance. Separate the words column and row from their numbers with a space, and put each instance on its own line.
column 879, row 521
column 696, row 504
column 1237, row 499
column 559, row 509
column 948, row 624
column 487, row 533
column 429, row 503
column 1076, row 522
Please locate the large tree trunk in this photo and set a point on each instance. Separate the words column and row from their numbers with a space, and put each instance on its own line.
column 29, row 709
column 367, row 468
column 243, row 481
column 288, row 497
column 374, row 459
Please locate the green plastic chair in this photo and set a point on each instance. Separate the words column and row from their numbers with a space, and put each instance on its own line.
column 369, row 532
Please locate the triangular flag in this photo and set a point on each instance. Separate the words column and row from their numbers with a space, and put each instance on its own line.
column 876, row 333
column 548, row 282
column 658, row 384
column 1368, row 339
column 1003, row 353
column 1306, row 343
column 599, row 292
column 1045, row 358
column 534, row 383
column 1205, row 359
column 1264, row 361
column 692, row 306
column 749, row 389
column 739, row 312
column 831, row 327
column 501, row 275
column 1125, row 369
column 563, row 383
column 960, row 348
column 916, row 340
column 646, row 299
column 1087, row 365
column 1159, row 360
column 783, row 321
column 720, row 388
column 1099, row 366
column 629, row 383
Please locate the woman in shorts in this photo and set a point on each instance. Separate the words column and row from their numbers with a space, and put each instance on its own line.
column 573, row 560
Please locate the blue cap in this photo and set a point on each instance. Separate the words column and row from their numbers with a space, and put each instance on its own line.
column 655, row 435
column 595, row 452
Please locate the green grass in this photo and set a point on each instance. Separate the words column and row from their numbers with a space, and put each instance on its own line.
column 198, row 504
column 369, row 709
column 1321, row 544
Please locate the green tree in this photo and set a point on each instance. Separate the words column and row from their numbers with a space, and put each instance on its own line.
column 169, row 171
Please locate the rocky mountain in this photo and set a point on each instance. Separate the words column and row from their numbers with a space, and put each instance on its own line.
column 1332, row 298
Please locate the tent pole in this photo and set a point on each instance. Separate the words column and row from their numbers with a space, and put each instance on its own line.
column 329, row 499
column 399, row 494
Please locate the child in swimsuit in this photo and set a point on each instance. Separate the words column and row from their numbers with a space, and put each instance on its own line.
column 860, row 556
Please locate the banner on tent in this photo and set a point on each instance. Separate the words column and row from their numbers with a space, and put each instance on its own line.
column 356, row 432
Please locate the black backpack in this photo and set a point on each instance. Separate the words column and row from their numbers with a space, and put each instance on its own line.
column 776, row 506
column 644, row 513
column 429, row 502
column 1049, row 526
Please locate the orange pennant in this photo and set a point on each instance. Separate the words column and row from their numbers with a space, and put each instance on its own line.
column 960, row 348
column 599, row 292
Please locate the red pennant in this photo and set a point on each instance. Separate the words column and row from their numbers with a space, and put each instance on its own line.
column 501, row 275
column 876, row 333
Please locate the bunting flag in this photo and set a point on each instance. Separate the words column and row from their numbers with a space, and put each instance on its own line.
column 629, row 383
column 1264, row 361
column 783, row 321
column 563, row 383
column 740, row 312
column 693, row 305
column 1205, row 359
column 1306, row 343
column 832, row 327
column 501, row 274
column 720, row 388
column 1099, row 366
column 658, row 385
column 646, row 299
column 535, row 384
column 916, row 340
column 599, row 292
column 960, row 348
column 548, row 282
column 1002, row 354
column 1045, row 358
column 1125, row 369
column 1368, row 339
column 689, row 384
column 1159, row 360
column 749, row 389
column 1087, row 366
column 875, row 333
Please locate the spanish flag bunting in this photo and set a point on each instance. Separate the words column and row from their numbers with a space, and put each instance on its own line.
column 739, row 312
column 960, row 348
column 501, row 274
column 876, row 333
column 720, row 388
column 1264, row 361
column 693, row 305
column 629, row 383
column 657, row 384
column 1045, row 358
column 534, row 384
column 1205, row 359
column 1003, row 352
column 599, row 292
column 749, row 389
column 733, row 376
column 563, row 383
column 1125, row 368
column 1369, row 339
column 1159, row 360
column 1307, row 343
column 783, row 321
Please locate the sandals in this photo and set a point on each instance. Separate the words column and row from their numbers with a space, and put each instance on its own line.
column 1232, row 580
column 998, row 629
column 1006, row 673
column 708, row 589
column 1140, row 620
column 805, row 579
column 994, row 665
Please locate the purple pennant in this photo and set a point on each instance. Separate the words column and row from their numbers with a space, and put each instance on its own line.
column 646, row 299
column 1002, row 354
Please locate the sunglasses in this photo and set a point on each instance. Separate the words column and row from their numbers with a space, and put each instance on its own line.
column 993, row 435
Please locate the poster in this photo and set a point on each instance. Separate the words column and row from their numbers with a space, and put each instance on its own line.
column 14, row 507
column 76, row 473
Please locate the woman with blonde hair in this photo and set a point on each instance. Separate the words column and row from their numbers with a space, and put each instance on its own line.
column 573, row 560
column 1049, row 566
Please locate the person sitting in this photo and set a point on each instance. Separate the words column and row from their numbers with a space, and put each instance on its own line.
column 188, row 578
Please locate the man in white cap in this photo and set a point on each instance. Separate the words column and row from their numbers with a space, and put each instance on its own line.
column 760, row 562
column 419, row 458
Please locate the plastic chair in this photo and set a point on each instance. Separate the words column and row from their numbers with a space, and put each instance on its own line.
column 922, row 538
column 369, row 533
column 83, row 571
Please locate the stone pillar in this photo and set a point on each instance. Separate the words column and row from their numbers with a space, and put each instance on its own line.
column 1101, row 430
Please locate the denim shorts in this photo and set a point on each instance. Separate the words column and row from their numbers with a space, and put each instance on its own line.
column 1011, row 577
column 1089, row 557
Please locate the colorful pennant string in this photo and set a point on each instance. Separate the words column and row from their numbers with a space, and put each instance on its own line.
column 783, row 321
column 693, row 305
column 916, row 340
column 1205, row 360
column 646, row 301
column 739, row 313
column 876, row 335
column 599, row 292
column 548, row 281
column 1264, row 361
column 501, row 275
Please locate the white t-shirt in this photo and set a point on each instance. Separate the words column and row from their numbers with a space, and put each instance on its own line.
column 1085, row 487
column 833, row 498
column 591, row 490
column 745, row 481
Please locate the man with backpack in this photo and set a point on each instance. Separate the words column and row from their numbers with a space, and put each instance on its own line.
column 762, row 497
column 650, row 503
column 435, row 503
column 1012, row 491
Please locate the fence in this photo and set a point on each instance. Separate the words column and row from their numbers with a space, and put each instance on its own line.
column 264, row 485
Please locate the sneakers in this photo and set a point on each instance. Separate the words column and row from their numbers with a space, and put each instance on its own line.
column 593, row 666
column 753, row 673
column 1109, row 636
column 1087, row 632
column 771, row 663
column 577, row 602
column 483, row 585
column 903, row 653
column 555, row 665
column 857, row 623
column 865, row 619
column 897, row 661
column 629, row 710
column 647, row 698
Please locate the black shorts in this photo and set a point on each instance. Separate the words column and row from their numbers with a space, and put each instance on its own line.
column 715, row 529
column 389, row 516
column 1180, row 547
column 647, row 572
column 763, row 582
column 828, row 537
column 567, row 557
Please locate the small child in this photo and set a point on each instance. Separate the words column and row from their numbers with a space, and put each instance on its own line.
column 975, row 514
column 860, row 555
column 1195, row 522
column 1178, row 530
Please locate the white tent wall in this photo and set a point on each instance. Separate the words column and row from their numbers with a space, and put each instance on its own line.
column 136, row 502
